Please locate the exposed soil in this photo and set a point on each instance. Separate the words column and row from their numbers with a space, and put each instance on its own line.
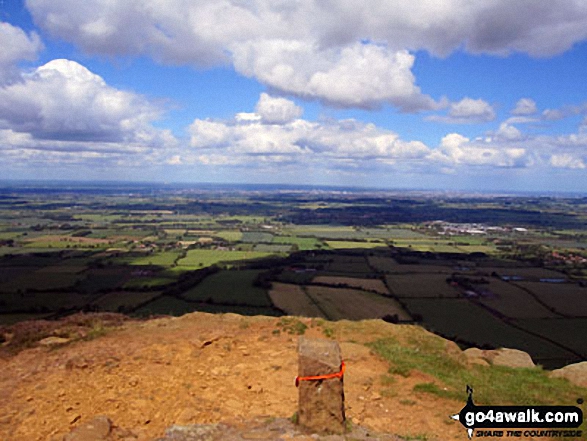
column 203, row 369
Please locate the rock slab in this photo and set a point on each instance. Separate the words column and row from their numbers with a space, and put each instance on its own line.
column 499, row 357
column 320, row 402
column 576, row 373
column 274, row 429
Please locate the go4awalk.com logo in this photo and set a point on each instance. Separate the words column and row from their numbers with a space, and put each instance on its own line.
column 516, row 421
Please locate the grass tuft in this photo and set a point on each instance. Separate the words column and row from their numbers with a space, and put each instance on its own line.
column 492, row 384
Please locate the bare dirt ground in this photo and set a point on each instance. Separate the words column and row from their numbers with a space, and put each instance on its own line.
column 203, row 368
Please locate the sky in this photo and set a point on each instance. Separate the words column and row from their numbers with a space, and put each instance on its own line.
column 452, row 95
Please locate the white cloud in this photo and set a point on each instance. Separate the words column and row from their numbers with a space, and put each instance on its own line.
column 566, row 160
column 349, row 144
column 16, row 46
column 360, row 75
column 525, row 106
column 553, row 114
column 61, row 113
column 274, row 110
column 466, row 111
column 470, row 109
column 339, row 52
column 62, row 100
column 198, row 32
column 508, row 132
column 456, row 149
column 338, row 142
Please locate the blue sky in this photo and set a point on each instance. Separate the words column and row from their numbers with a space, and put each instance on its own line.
column 485, row 95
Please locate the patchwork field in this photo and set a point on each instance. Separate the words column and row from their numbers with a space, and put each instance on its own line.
column 382, row 264
column 513, row 302
column 462, row 319
column 125, row 301
column 339, row 244
column 421, row 286
column 565, row 298
column 229, row 288
column 293, row 300
column 569, row 332
column 375, row 285
column 303, row 243
column 352, row 304
column 201, row 258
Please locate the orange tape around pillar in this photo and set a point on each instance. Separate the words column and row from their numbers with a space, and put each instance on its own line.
column 338, row 374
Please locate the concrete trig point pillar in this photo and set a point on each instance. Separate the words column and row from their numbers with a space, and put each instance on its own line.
column 321, row 402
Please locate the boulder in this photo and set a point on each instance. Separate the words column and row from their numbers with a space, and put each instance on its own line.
column 475, row 356
column 499, row 357
column 511, row 358
column 575, row 373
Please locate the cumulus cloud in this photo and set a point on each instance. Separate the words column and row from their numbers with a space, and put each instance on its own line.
column 466, row 111
column 62, row 100
column 566, row 160
column 293, row 140
column 456, row 149
column 198, row 32
column 525, row 106
column 16, row 46
column 339, row 52
column 508, row 132
column 361, row 75
column 249, row 141
column 274, row 110
column 61, row 113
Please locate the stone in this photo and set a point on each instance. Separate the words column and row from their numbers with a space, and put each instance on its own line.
column 511, row 358
column 500, row 357
column 320, row 402
column 474, row 353
column 576, row 373
column 54, row 341
column 97, row 429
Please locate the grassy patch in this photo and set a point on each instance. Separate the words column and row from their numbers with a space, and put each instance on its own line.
column 292, row 326
column 492, row 385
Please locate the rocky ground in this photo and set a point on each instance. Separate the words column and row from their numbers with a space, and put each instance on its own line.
column 207, row 369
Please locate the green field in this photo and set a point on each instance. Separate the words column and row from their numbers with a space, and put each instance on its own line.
column 173, row 306
column 43, row 301
column 107, row 279
column 349, row 264
column 340, row 244
column 461, row 318
column 40, row 280
column 271, row 248
column 569, row 332
column 229, row 235
column 123, row 300
column 513, row 302
column 229, row 288
column 201, row 258
column 566, row 298
column 303, row 243
column 293, row 300
column 257, row 237
column 165, row 259
column 353, row 304
column 431, row 286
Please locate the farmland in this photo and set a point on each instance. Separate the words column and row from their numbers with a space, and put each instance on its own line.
column 483, row 271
